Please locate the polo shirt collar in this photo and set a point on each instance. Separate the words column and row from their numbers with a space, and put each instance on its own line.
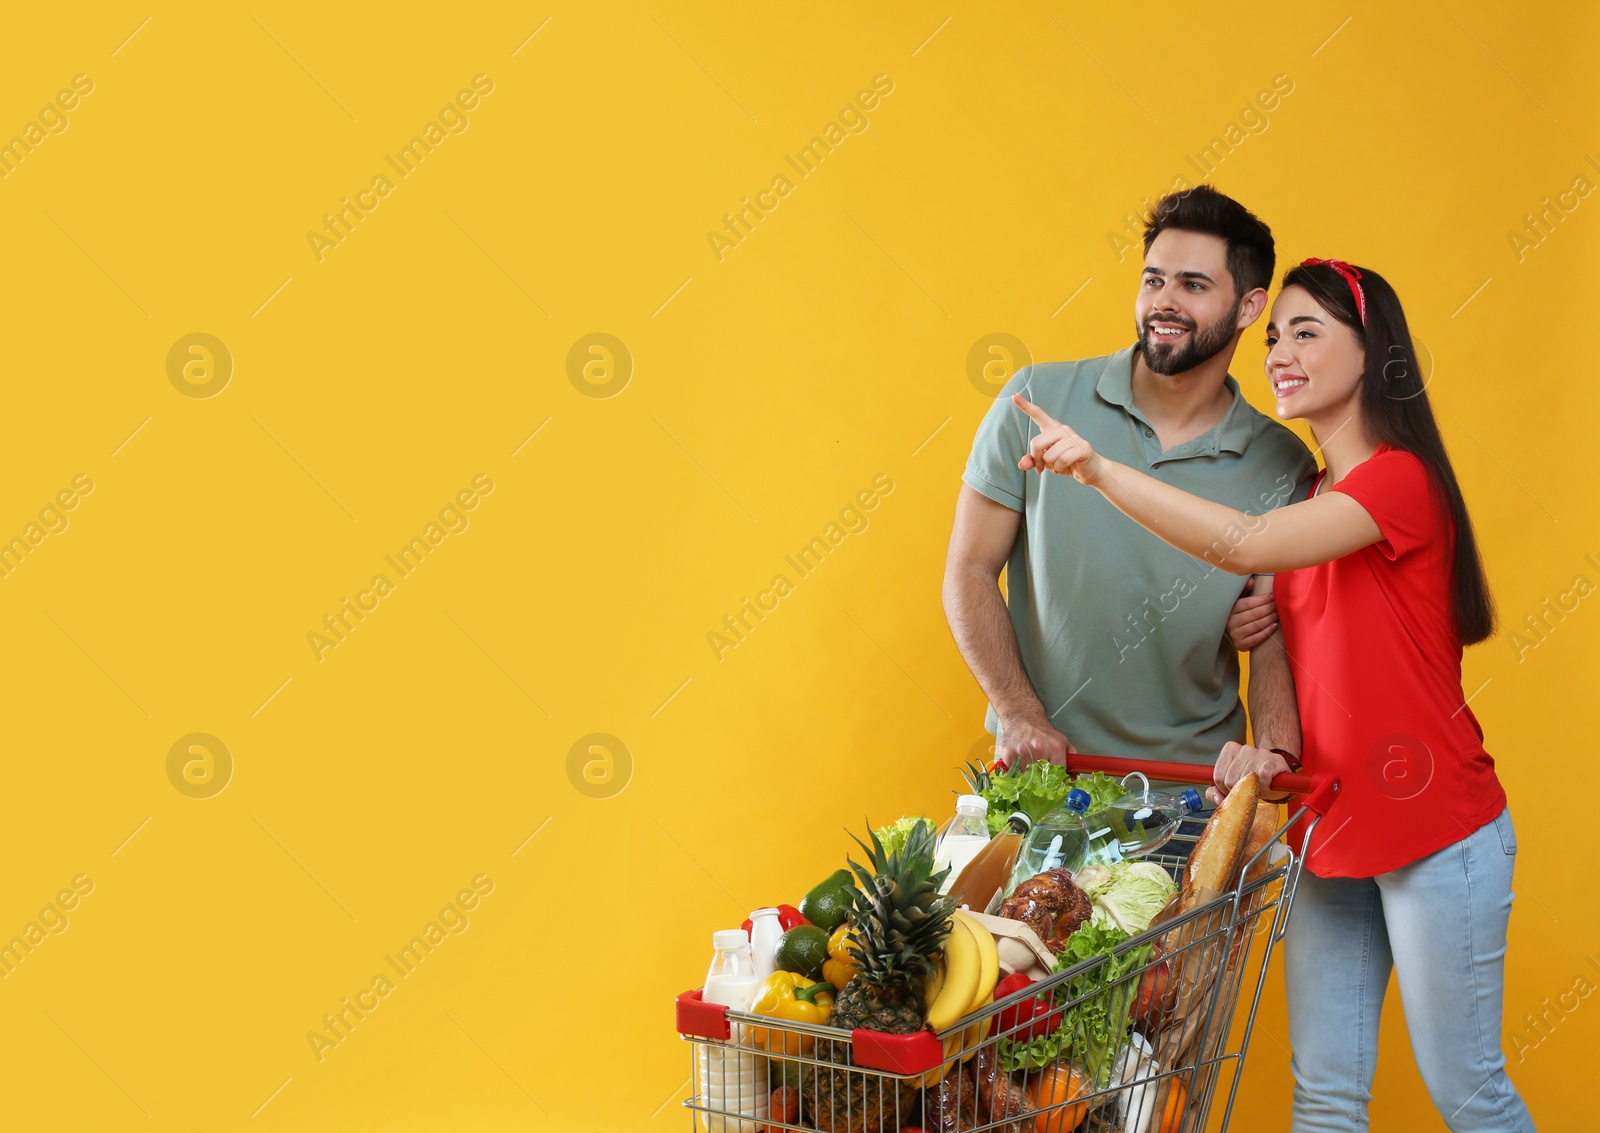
column 1232, row 432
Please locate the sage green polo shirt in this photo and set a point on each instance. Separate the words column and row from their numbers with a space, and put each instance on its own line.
column 1123, row 636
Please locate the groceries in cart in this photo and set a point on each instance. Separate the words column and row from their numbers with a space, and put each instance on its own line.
column 1044, row 990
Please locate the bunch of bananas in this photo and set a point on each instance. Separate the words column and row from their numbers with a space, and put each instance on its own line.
column 963, row 982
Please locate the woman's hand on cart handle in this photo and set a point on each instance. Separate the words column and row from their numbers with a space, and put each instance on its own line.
column 1238, row 760
column 1023, row 742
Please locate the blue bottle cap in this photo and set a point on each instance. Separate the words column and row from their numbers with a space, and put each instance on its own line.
column 1191, row 799
column 1078, row 800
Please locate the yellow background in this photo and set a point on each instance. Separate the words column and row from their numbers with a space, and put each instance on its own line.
column 767, row 389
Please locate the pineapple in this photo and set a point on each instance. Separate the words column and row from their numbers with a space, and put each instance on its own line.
column 900, row 923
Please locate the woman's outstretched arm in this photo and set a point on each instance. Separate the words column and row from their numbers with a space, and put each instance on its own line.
column 1305, row 534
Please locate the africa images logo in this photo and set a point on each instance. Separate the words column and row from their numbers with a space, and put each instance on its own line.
column 1400, row 765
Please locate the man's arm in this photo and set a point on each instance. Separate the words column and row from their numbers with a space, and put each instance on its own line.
column 980, row 542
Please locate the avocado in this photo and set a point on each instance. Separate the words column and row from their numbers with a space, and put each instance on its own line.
column 829, row 901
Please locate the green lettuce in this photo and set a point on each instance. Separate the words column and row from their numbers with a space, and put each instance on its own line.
column 1042, row 787
column 1036, row 790
column 894, row 835
column 1103, row 790
column 1094, row 1030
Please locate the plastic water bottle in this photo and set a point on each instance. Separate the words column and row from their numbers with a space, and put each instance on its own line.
column 1104, row 846
column 1059, row 839
column 1141, row 822
column 961, row 838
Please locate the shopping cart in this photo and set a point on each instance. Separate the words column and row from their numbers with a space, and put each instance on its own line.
column 1176, row 987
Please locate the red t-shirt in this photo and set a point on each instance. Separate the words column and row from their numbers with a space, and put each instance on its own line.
column 1377, row 672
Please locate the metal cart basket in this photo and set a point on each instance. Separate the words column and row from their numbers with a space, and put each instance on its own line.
column 1178, row 988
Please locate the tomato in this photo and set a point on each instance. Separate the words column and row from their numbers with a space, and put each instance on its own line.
column 1155, row 988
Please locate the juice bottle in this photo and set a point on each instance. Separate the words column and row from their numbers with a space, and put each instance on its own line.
column 981, row 883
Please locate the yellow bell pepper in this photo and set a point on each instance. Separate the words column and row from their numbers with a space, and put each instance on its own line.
column 840, row 967
column 790, row 996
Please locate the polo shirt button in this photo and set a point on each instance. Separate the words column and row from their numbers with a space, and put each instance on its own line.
column 1148, row 431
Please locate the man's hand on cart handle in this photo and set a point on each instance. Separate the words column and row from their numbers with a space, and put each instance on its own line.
column 1238, row 760
column 1023, row 742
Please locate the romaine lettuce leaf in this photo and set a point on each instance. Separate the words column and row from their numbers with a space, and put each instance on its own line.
column 1094, row 1030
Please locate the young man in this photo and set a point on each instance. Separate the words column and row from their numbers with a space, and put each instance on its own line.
column 1108, row 640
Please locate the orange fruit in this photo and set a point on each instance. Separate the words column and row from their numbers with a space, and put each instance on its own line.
column 1060, row 1083
column 1172, row 1109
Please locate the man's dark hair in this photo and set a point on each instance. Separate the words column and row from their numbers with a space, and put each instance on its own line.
column 1251, row 253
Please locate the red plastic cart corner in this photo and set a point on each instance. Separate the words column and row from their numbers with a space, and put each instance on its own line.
column 898, row 1054
column 701, row 1019
column 915, row 1053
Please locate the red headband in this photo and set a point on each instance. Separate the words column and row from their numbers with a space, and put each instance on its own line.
column 1351, row 275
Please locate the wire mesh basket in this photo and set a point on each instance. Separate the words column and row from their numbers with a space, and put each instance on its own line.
column 1140, row 1040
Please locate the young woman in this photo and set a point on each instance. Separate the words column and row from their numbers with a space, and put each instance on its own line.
column 1379, row 586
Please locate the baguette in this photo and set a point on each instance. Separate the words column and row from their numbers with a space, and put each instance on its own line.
column 1216, row 856
column 1198, row 948
column 1262, row 830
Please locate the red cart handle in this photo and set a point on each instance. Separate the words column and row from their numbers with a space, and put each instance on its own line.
column 1320, row 790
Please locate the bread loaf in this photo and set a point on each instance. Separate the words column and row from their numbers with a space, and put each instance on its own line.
column 1217, row 855
column 1262, row 830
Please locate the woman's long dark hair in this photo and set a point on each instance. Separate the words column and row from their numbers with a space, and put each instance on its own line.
column 1395, row 408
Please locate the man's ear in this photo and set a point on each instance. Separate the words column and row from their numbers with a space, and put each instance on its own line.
column 1251, row 306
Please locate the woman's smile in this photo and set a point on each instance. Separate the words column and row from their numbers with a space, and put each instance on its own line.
column 1286, row 385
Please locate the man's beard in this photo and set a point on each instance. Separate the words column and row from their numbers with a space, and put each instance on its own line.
column 1199, row 345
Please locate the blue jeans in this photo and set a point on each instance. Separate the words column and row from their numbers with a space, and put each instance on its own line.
column 1440, row 922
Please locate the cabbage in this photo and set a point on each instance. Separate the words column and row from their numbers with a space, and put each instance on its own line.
column 1094, row 879
column 1127, row 895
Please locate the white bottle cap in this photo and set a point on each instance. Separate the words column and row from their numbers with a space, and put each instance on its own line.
column 725, row 938
column 762, row 913
column 973, row 802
